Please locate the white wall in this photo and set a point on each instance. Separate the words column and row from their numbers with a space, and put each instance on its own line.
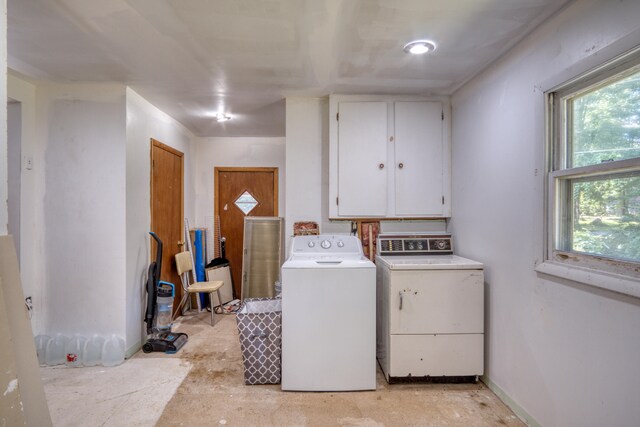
column 14, row 166
column 145, row 121
column 31, row 209
column 565, row 353
column 4, row 195
column 307, row 130
column 85, row 204
column 229, row 152
column 83, row 146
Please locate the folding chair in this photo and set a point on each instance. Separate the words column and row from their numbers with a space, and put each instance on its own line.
column 184, row 266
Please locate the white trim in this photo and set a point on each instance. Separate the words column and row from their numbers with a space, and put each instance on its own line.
column 133, row 350
column 600, row 279
column 507, row 400
column 590, row 269
column 618, row 166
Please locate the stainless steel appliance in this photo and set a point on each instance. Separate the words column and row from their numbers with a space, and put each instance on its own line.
column 262, row 256
column 430, row 309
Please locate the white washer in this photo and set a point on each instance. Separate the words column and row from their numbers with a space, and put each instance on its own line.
column 430, row 309
column 328, row 316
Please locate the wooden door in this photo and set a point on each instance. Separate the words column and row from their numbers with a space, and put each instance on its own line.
column 234, row 190
column 167, row 205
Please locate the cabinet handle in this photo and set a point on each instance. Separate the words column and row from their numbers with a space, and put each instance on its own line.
column 400, row 293
column 400, row 165
column 381, row 166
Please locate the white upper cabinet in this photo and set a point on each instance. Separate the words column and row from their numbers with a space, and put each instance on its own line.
column 418, row 158
column 389, row 157
column 362, row 162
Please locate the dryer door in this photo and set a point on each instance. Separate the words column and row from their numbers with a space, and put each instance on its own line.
column 436, row 302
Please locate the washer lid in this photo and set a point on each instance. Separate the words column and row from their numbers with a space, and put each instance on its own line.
column 428, row 262
column 322, row 262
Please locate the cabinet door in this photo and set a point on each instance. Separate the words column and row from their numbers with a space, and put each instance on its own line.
column 418, row 159
column 362, row 159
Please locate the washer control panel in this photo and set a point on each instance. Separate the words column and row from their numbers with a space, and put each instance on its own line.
column 415, row 244
column 326, row 244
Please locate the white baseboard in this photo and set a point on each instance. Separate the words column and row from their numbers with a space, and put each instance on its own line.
column 135, row 348
column 517, row 409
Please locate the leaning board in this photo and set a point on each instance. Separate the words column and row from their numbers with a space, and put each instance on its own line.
column 226, row 291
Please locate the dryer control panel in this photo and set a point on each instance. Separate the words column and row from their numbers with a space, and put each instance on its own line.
column 415, row 244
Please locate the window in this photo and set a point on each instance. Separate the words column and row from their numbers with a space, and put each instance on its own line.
column 246, row 202
column 594, row 170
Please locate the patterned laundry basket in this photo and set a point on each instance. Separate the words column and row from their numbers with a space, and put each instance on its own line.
column 260, row 330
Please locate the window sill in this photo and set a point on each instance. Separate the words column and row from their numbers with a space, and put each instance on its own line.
column 626, row 285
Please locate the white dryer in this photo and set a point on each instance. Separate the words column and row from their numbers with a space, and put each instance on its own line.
column 430, row 309
column 328, row 316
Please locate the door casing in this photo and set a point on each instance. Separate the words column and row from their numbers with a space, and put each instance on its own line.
column 236, row 270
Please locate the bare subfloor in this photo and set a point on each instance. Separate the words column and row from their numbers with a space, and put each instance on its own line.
column 203, row 385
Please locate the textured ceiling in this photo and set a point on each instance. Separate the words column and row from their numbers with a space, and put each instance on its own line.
column 191, row 58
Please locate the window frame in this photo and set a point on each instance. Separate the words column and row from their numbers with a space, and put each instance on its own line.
column 597, row 270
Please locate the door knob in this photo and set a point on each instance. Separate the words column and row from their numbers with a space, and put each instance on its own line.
column 400, row 165
column 381, row 166
column 181, row 243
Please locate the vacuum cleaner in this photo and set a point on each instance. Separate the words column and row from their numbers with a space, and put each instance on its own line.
column 159, row 314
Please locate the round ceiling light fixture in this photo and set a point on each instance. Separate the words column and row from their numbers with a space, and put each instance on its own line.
column 419, row 47
column 222, row 117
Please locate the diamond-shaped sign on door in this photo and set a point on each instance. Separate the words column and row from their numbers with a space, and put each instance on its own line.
column 246, row 202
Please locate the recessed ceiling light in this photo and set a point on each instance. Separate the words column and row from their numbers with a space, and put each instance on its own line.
column 222, row 117
column 418, row 47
